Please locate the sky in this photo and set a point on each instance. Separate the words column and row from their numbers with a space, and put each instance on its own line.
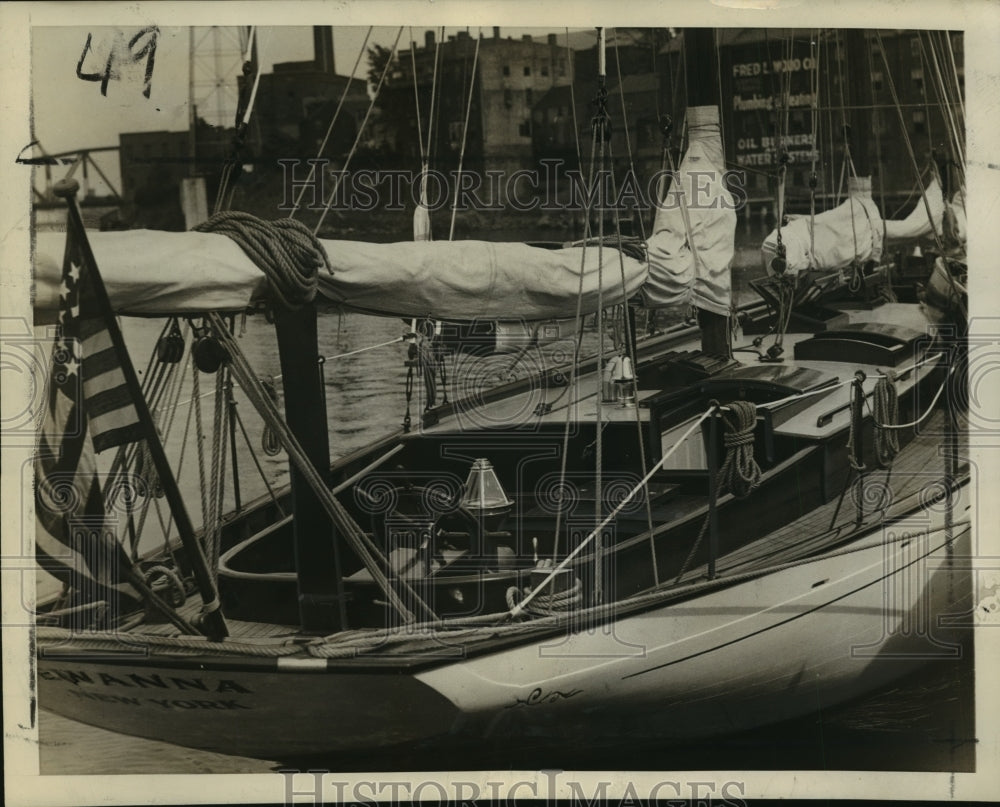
column 70, row 113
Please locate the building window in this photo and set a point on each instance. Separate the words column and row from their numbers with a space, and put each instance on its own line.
column 506, row 69
column 877, row 81
column 527, row 70
column 915, row 46
column 919, row 121
column 508, row 98
column 545, row 69
column 917, row 77
column 524, row 128
column 529, row 97
column 561, row 67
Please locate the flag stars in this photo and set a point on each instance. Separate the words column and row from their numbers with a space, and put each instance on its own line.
column 71, row 365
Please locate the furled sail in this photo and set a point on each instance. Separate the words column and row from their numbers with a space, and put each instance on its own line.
column 851, row 231
column 691, row 249
column 159, row 273
column 468, row 280
column 955, row 224
column 919, row 224
column 689, row 257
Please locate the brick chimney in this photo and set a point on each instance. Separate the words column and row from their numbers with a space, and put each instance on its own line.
column 428, row 39
column 496, row 31
column 323, row 49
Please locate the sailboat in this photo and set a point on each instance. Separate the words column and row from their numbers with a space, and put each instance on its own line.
column 661, row 539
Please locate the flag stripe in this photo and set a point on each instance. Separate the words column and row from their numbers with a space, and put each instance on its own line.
column 98, row 360
column 75, row 540
column 110, row 381
column 110, row 438
column 112, row 401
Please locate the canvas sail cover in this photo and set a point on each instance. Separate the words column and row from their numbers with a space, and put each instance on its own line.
column 151, row 272
column 955, row 224
column 690, row 253
column 691, row 248
column 918, row 224
column 475, row 279
column 159, row 273
column 689, row 257
column 851, row 231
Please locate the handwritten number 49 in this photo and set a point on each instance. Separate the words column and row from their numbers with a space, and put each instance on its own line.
column 123, row 53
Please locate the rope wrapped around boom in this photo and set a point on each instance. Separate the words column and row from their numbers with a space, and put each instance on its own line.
column 285, row 250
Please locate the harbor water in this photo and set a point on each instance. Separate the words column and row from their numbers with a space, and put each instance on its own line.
column 924, row 721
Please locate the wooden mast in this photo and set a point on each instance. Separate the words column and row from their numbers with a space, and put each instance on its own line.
column 317, row 560
column 702, row 75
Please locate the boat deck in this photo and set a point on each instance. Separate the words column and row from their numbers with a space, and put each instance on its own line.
column 913, row 481
column 914, row 478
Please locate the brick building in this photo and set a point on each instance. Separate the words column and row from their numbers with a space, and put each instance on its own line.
column 504, row 82
column 759, row 67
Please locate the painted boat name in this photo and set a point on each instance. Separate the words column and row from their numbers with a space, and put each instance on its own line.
column 164, row 702
column 134, row 680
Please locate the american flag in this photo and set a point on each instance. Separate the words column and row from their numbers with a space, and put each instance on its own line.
column 88, row 408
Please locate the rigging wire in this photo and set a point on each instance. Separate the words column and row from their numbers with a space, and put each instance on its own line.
column 878, row 157
column 416, row 93
column 814, row 47
column 333, row 122
column 601, row 131
column 572, row 104
column 916, row 170
column 361, row 130
column 465, row 132
column 520, row 606
column 579, row 327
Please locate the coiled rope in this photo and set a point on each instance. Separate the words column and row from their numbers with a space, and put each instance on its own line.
column 178, row 594
column 740, row 474
column 285, row 250
column 886, row 415
column 855, row 451
column 546, row 604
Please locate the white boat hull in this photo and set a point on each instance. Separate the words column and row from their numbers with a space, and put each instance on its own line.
column 757, row 652
column 766, row 650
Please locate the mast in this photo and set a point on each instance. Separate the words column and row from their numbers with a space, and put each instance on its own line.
column 317, row 557
column 860, row 100
column 702, row 74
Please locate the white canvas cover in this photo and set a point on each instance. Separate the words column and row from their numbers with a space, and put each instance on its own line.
column 154, row 272
column 954, row 218
column 918, row 225
column 159, row 273
column 474, row 279
column 852, row 230
column 694, row 270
